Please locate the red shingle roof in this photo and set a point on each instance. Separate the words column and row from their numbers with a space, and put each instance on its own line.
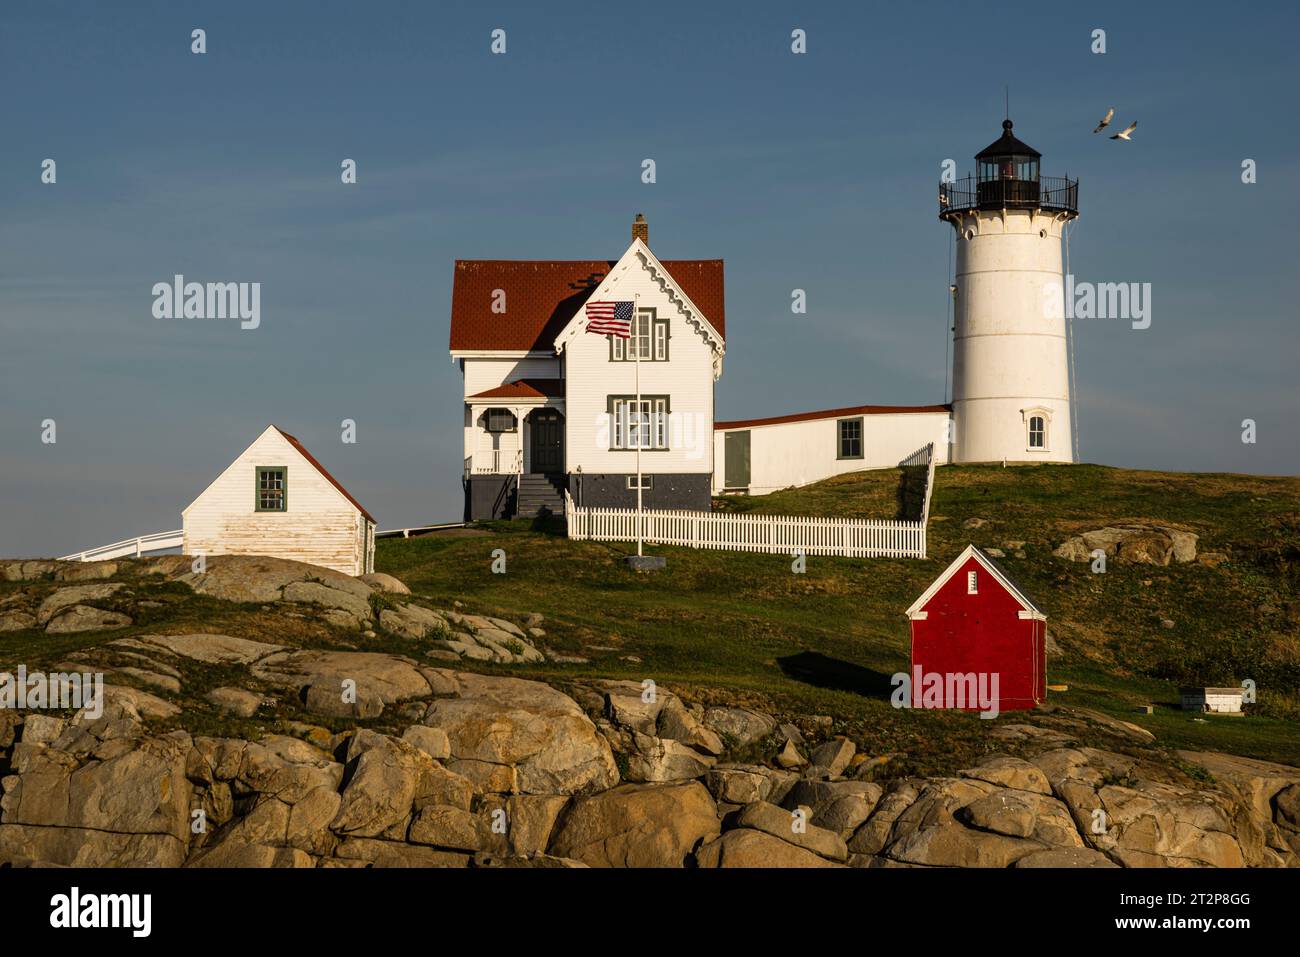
column 833, row 414
column 543, row 295
column 525, row 389
column 302, row 450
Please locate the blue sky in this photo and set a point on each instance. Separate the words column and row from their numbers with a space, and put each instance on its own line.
column 815, row 171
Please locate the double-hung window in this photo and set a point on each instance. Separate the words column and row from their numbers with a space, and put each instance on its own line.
column 849, row 439
column 649, row 337
column 644, row 426
column 1037, row 432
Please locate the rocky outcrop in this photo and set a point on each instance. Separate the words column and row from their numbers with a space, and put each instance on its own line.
column 387, row 583
column 206, row 649
column 343, row 683
column 471, row 770
column 297, row 589
column 85, row 618
column 513, row 736
column 505, row 772
column 98, row 792
column 743, row 726
column 1132, row 544
column 638, row 825
column 487, row 639
column 659, row 737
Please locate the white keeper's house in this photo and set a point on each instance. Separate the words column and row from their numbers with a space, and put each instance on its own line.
column 550, row 407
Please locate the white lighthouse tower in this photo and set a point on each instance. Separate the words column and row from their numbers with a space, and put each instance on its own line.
column 1010, row 370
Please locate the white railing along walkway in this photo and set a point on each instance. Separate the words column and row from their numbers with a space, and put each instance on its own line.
column 775, row 534
column 923, row 456
column 157, row 542
column 417, row 529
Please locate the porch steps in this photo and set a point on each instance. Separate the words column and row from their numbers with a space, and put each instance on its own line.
column 539, row 492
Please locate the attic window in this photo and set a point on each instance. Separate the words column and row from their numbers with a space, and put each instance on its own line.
column 972, row 585
column 650, row 336
column 271, row 488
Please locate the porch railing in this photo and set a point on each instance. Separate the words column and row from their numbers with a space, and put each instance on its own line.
column 495, row 462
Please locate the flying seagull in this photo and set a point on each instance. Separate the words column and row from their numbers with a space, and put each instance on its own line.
column 1110, row 114
column 1124, row 134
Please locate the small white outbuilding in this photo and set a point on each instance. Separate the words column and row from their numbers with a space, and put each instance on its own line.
column 1212, row 700
column 275, row 499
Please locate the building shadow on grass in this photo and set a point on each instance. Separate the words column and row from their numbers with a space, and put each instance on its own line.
column 813, row 668
column 550, row 523
column 911, row 492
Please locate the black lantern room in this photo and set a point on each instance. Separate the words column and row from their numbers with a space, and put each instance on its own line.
column 1007, row 171
column 1007, row 177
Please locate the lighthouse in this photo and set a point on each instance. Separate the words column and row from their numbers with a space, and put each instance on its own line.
column 1011, row 362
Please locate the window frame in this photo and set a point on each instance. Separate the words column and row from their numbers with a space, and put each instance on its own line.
column 860, row 422
column 258, row 470
column 658, row 409
column 1038, row 412
column 972, row 582
column 487, row 420
column 1041, row 432
column 658, row 332
column 647, row 482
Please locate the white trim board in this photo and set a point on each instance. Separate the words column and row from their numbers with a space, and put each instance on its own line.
column 1029, row 609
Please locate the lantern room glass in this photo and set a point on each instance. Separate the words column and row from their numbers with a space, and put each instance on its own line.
column 1023, row 168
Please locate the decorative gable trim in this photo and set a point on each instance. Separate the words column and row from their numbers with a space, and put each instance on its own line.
column 640, row 254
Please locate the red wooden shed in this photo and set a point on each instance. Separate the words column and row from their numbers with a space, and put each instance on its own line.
column 974, row 619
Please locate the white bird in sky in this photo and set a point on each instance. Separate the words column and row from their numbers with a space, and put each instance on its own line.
column 1109, row 116
column 1124, row 134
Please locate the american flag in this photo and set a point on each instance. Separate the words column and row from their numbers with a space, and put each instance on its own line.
column 610, row 319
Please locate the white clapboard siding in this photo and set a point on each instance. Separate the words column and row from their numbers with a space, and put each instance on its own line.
column 793, row 454
column 687, row 378
column 774, row 534
column 320, row 525
column 483, row 373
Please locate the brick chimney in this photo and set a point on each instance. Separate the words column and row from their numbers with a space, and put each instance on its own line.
column 641, row 229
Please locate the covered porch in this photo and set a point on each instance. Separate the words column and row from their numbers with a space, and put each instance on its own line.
column 514, row 448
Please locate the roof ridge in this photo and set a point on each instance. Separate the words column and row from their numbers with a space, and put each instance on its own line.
column 832, row 413
column 302, row 450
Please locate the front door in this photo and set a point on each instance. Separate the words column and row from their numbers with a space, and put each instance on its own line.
column 546, row 445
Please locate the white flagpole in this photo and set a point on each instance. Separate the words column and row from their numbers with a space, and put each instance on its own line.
column 640, row 438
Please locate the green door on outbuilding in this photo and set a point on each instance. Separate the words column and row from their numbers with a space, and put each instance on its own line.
column 736, row 451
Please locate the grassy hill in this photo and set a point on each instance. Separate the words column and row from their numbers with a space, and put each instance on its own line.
column 737, row 627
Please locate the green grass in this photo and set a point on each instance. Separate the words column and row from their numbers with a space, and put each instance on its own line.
column 737, row 626
column 744, row 629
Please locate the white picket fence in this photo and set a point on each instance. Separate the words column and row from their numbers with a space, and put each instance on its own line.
column 776, row 534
